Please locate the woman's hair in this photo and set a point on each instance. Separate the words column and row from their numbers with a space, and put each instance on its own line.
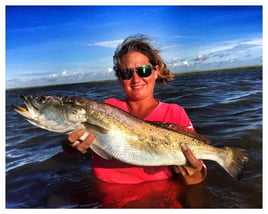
column 141, row 43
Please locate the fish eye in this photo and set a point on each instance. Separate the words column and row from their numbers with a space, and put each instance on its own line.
column 42, row 99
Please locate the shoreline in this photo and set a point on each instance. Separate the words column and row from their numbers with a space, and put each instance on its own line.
column 218, row 70
column 175, row 74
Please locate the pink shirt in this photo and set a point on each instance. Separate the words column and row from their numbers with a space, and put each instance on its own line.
column 114, row 171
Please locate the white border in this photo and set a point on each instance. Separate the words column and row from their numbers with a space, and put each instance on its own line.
column 4, row 3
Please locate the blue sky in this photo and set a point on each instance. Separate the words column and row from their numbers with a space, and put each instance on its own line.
column 67, row 44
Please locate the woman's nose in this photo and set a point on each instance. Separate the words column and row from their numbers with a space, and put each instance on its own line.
column 135, row 77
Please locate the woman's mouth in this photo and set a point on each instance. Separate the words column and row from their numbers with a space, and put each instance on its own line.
column 136, row 87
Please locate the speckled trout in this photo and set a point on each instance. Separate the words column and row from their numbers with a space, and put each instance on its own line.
column 125, row 137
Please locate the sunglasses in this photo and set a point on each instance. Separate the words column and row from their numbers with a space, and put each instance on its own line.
column 142, row 71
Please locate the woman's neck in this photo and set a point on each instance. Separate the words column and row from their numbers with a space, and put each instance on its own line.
column 141, row 108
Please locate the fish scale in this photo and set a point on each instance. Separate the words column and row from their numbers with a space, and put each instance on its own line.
column 125, row 137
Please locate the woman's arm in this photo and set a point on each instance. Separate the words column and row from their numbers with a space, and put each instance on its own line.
column 195, row 171
column 74, row 146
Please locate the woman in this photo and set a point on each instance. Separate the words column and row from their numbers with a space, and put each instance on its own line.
column 138, row 66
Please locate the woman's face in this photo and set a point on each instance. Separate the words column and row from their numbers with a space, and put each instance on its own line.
column 138, row 88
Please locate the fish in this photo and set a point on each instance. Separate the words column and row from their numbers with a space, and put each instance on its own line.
column 124, row 137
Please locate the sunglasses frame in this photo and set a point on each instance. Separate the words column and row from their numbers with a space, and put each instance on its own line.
column 142, row 71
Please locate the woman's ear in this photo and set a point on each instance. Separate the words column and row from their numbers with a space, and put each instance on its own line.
column 156, row 72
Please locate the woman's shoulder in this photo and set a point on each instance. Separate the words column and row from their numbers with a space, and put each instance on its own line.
column 170, row 106
column 112, row 100
column 172, row 110
column 170, row 113
column 117, row 103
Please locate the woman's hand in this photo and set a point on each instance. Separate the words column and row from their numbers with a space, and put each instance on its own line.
column 194, row 172
column 74, row 141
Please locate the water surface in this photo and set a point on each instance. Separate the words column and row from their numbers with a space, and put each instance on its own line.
column 224, row 106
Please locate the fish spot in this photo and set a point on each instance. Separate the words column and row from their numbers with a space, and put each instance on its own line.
column 167, row 137
column 69, row 100
column 154, row 138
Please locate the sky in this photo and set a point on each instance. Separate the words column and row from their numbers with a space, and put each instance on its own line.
column 68, row 44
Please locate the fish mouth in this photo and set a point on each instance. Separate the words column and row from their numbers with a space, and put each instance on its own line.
column 25, row 112
column 22, row 111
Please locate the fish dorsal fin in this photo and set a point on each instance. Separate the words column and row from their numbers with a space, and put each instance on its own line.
column 100, row 152
column 96, row 128
column 181, row 129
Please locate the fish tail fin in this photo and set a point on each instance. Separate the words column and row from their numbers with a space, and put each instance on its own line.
column 233, row 161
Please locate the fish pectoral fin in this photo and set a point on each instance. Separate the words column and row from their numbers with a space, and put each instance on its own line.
column 100, row 152
column 95, row 127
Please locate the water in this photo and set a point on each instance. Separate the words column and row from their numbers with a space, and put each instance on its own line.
column 224, row 106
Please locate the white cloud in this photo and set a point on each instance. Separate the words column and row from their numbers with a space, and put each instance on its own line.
column 178, row 63
column 110, row 69
column 220, row 48
column 108, row 44
column 229, row 54
column 257, row 42
column 170, row 47
column 200, row 58
column 64, row 77
column 31, row 29
column 63, row 74
column 235, row 45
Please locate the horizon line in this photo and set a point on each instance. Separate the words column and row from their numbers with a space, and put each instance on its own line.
column 109, row 80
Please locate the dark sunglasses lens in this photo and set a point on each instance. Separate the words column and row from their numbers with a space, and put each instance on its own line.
column 144, row 71
column 126, row 74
